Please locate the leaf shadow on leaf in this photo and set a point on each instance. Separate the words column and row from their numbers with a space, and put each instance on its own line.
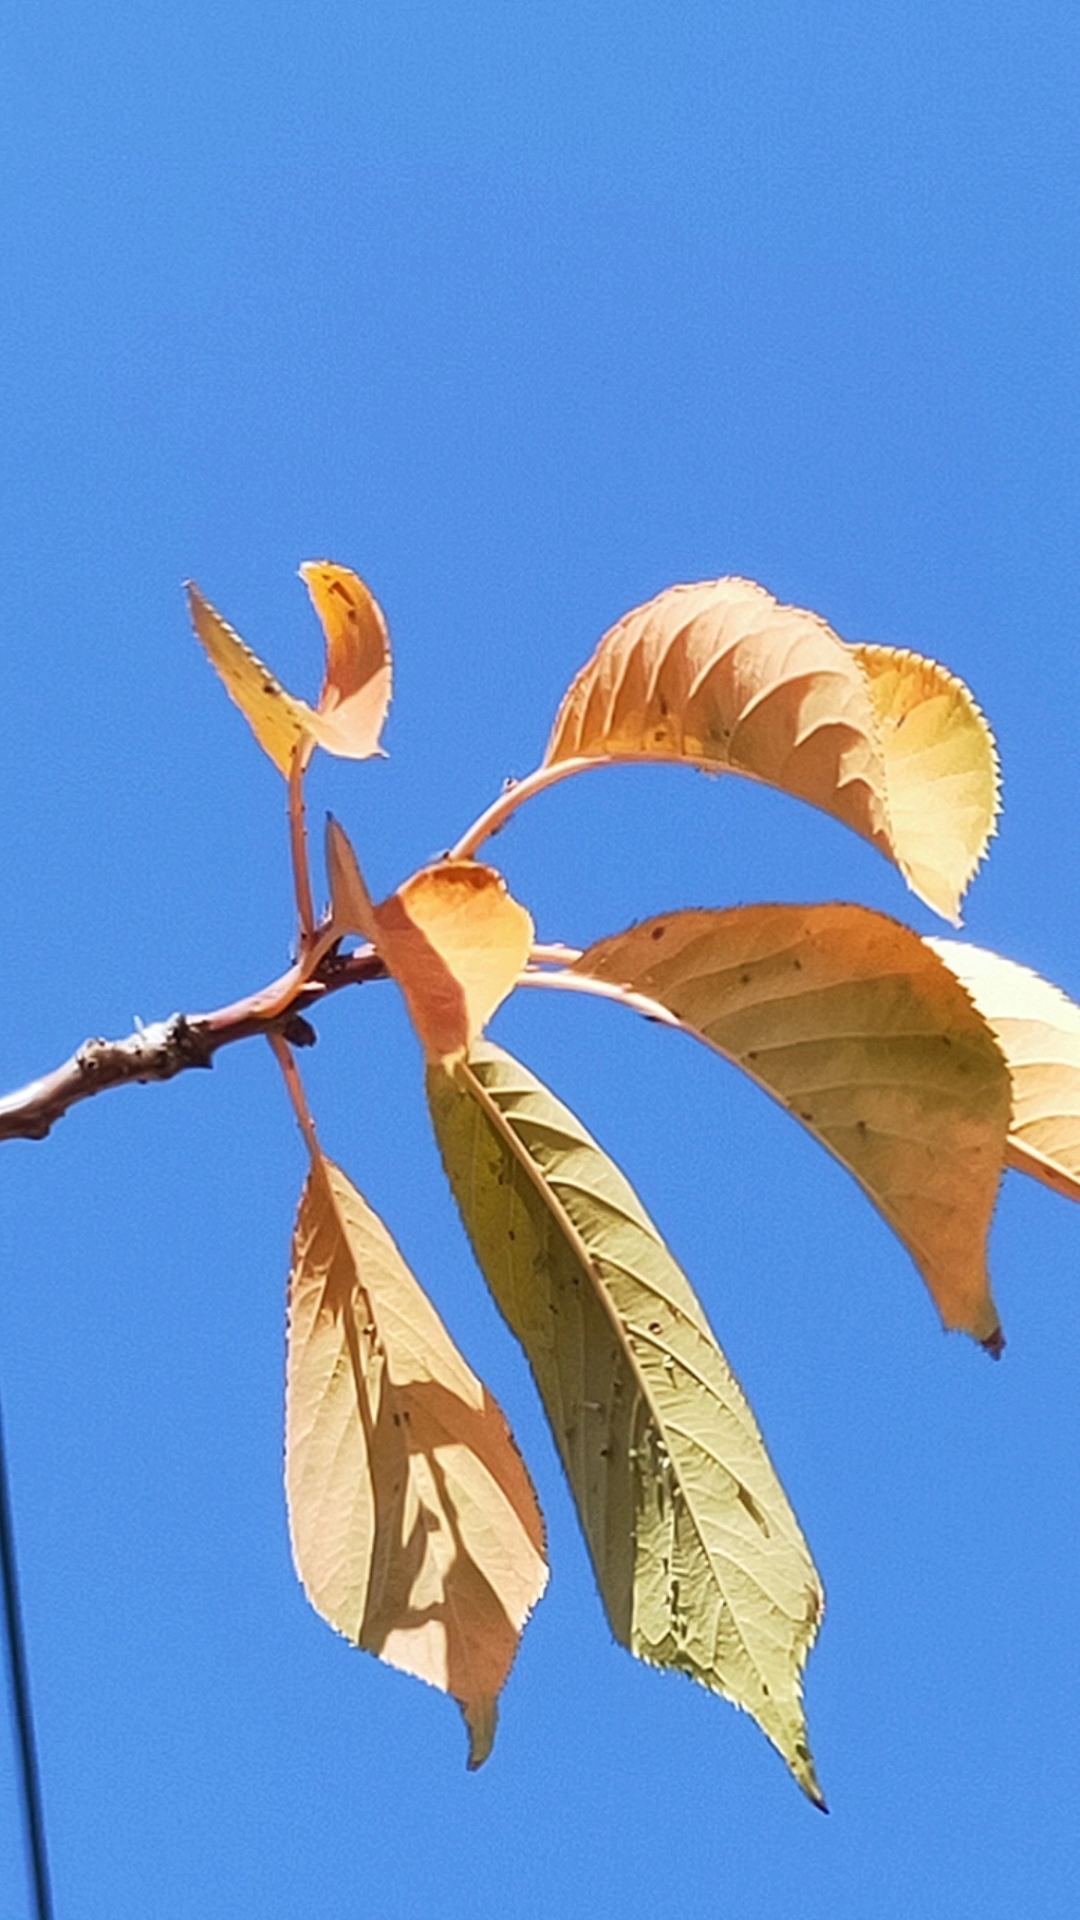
column 437, row 1496
column 435, row 997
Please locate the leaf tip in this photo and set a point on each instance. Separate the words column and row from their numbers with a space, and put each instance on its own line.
column 481, row 1719
column 802, row 1766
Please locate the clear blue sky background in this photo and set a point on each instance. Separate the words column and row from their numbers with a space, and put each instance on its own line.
column 525, row 312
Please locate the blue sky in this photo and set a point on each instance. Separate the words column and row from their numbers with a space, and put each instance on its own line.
column 524, row 313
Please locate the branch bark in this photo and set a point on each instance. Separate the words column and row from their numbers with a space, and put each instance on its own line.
column 169, row 1047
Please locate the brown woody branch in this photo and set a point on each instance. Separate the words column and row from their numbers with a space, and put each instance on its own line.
column 169, row 1047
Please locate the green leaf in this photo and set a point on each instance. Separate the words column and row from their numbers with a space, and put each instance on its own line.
column 698, row 1556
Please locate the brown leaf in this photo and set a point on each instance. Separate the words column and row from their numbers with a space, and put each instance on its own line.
column 865, row 1036
column 415, row 1529
column 1038, row 1029
column 356, row 690
column 723, row 677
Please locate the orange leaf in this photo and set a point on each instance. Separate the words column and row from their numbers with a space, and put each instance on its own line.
column 356, row 690
column 455, row 941
column 414, row 1524
column 864, row 1035
column 723, row 677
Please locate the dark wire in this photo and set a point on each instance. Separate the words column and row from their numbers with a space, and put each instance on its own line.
column 20, row 1690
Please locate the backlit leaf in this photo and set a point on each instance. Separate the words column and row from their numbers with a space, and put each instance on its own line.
column 723, row 677
column 351, row 905
column 697, row 1554
column 356, row 690
column 862, row 1034
column 1038, row 1029
column 415, row 1529
column 278, row 721
column 941, row 772
column 453, row 937
column 356, row 687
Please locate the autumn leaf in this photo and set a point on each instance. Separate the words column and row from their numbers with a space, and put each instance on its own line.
column 351, row 907
column 453, row 938
column 1038, row 1029
column 356, row 688
column 279, row 722
column 415, row 1529
column 697, row 1554
column 860, row 1031
column 942, row 779
column 723, row 677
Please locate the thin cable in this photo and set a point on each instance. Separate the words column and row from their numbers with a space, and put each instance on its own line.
column 20, row 1689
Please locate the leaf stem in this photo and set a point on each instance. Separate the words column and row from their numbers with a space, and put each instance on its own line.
column 286, row 1060
column 604, row 990
column 514, row 795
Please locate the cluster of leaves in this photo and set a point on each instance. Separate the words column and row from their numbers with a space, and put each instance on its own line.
column 925, row 1066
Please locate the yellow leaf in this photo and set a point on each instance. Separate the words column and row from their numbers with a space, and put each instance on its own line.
column 860, row 1031
column 723, row 677
column 415, row 1529
column 278, row 721
column 455, row 941
column 697, row 1554
column 941, row 769
column 1038, row 1029
column 356, row 689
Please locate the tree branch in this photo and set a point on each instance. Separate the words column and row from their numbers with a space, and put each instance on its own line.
column 169, row 1047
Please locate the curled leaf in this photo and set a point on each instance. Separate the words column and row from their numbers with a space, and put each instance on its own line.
column 356, row 688
column 866, row 1037
column 941, row 767
column 414, row 1526
column 723, row 677
column 697, row 1554
column 1038, row 1029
